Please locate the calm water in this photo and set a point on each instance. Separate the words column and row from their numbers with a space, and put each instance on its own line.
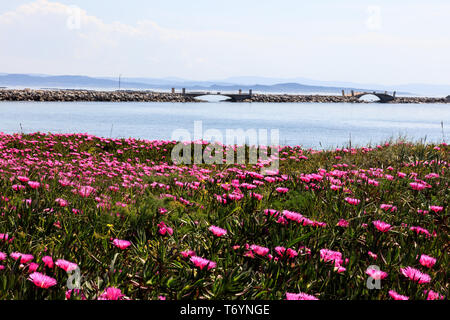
column 310, row 125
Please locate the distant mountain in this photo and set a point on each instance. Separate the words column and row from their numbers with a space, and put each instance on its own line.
column 73, row 82
column 257, row 84
column 417, row 88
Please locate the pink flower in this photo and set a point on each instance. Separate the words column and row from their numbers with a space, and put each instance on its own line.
column 352, row 201
column 163, row 229
column 262, row 251
column 431, row 295
column 66, row 265
column 299, row 296
column 121, row 244
column 280, row 250
column 4, row 237
column 24, row 258
column 343, row 223
column 417, row 186
column 376, row 274
column 17, row 187
column 427, row 261
column 397, row 296
column 23, row 179
column 415, row 275
column 41, row 280
column 201, row 262
column 61, row 202
column 339, row 269
column 48, row 261
column 217, row 231
column 85, row 191
column 76, row 292
column 3, row 256
column 372, row 255
column 401, row 174
column 162, row 211
column 420, row 230
column 111, row 293
column 34, row 184
column 187, row 253
column 382, row 226
column 291, row 253
column 331, row 256
column 388, row 207
column 33, row 267
column 436, row 208
column 282, row 190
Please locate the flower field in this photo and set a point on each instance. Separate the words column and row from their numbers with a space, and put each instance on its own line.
column 83, row 217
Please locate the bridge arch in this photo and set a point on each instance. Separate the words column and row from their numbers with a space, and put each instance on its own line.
column 383, row 97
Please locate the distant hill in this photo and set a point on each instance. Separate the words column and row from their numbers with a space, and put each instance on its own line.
column 85, row 82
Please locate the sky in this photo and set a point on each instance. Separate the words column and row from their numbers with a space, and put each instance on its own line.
column 379, row 41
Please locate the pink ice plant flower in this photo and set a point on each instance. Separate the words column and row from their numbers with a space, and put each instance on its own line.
column 48, row 261
column 41, row 280
column 66, row 265
column 372, row 255
column 217, row 231
column 282, row 190
column 299, row 296
column 381, row 226
column 24, row 258
column 3, row 256
column 76, row 292
column 121, row 244
column 259, row 250
column 202, row 262
column 376, row 274
column 34, row 184
column 187, row 253
column 436, row 209
column 85, row 191
column 394, row 295
column 417, row 186
column 61, row 202
column 352, row 201
column 332, row 256
column 343, row 223
column 111, row 293
column 163, row 229
column 427, row 261
column 431, row 295
column 415, row 275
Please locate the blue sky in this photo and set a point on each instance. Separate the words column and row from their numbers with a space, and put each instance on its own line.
column 387, row 42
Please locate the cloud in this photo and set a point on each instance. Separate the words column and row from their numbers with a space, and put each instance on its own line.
column 61, row 37
column 50, row 37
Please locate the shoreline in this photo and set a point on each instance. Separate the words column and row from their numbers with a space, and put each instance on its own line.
column 151, row 96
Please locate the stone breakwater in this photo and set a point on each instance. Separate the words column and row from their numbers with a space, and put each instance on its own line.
column 92, row 96
column 335, row 99
column 150, row 96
